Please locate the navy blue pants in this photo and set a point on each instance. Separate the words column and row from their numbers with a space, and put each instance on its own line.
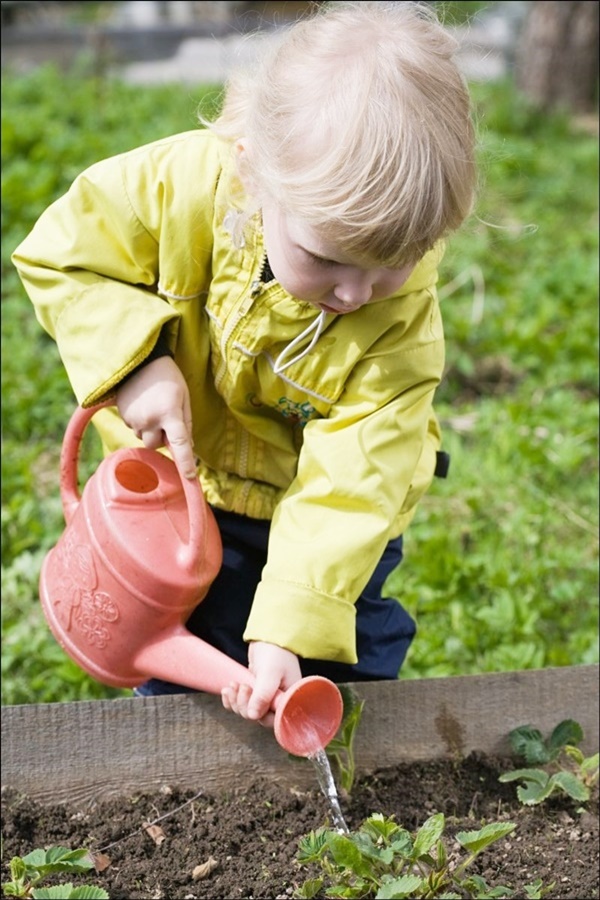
column 384, row 630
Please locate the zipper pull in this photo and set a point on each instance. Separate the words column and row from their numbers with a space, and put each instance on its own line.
column 255, row 288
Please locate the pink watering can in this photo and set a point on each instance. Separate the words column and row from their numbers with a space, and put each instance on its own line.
column 139, row 553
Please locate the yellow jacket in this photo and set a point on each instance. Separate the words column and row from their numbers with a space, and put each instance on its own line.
column 336, row 448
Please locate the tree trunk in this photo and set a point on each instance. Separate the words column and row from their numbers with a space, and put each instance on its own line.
column 557, row 56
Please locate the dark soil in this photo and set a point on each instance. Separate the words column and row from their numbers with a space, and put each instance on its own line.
column 252, row 835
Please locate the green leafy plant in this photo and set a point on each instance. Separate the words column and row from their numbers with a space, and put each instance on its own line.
column 341, row 749
column 28, row 871
column 566, row 770
column 383, row 860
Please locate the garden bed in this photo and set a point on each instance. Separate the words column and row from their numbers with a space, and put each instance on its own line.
column 229, row 794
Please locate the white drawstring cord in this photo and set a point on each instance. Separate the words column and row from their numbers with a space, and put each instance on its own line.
column 317, row 326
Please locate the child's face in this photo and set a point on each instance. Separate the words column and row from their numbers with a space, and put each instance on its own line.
column 312, row 269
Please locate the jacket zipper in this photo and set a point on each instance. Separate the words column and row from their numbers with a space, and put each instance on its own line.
column 255, row 289
column 244, row 453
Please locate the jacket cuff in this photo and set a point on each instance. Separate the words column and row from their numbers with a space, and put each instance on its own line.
column 161, row 348
column 310, row 624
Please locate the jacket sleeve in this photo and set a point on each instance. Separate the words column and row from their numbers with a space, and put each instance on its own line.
column 93, row 263
column 360, row 473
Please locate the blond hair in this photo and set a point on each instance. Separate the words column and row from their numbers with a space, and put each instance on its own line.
column 358, row 123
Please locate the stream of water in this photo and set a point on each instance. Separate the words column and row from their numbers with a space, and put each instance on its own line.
column 299, row 730
column 327, row 785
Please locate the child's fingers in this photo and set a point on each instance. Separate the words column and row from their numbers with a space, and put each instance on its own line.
column 265, row 689
column 178, row 440
column 236, row 698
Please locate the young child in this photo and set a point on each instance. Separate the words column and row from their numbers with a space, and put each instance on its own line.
column 261, row 293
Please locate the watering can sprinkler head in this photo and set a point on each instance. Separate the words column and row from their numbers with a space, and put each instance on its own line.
column 139, row 553
column 308, row 715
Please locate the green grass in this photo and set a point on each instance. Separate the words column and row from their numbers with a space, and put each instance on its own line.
column 501, row 560
column 501, row 566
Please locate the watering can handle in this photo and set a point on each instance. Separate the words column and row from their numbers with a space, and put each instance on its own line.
column 69, row 456
column 71, row 497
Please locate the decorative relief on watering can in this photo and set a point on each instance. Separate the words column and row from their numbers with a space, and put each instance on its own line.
column 89, row 609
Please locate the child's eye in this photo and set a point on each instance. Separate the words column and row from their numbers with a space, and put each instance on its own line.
column 319, row 260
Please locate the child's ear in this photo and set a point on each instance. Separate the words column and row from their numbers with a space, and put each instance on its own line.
column 243, row 164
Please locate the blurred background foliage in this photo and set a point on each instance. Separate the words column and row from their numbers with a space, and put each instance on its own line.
column 501, row 564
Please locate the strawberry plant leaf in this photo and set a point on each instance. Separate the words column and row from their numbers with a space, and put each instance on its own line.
column 402, row 844
column 55, row 892
column 18, row 870
column 428, row 835
column 571, row 785
column 351, row 892
column 68, row 892
column 532, row 793
column 345, row 853
column 566, row 732
column 309, row 889
column 349, row 700
column 476, row 841
column 58, row 859
column 447, row 895
column 69, row 858
column 442, row 856
column 377, row 826
column 372, row 851
column 312, row 846
column 477, row 887
column 574, row 753
column 405, row 886
column 589, row 765
column 528, row 742
column 536, row 890
column 536, row 776
column 35, row 859
column 88, row 892
column 29, row 870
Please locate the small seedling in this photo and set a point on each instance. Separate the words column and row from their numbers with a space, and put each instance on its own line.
column 29, row 871
column 383, row 860
column 566, row 770
column 341, row 749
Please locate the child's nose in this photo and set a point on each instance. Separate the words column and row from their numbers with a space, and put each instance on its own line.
column 354, row 289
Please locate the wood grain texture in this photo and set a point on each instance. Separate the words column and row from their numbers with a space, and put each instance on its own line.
column 82, row 752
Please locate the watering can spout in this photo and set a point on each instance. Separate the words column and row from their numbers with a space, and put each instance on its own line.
column 139, row 553
column 307, row 715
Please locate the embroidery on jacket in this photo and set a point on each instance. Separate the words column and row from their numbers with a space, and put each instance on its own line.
column 297, row 413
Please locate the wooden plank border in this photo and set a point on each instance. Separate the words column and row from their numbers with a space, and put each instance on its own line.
column 84, row 751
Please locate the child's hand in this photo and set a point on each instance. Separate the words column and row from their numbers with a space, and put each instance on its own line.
column 155, row 403
column 274, row 669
